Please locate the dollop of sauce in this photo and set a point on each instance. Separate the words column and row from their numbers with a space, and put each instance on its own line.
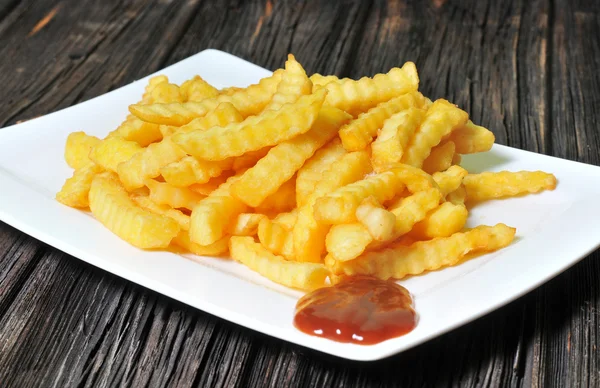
column 360, row 309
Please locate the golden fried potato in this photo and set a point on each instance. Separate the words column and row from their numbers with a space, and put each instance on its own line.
column 189, row 170
column 153, row 82
column 75, row 190
column 281, row 201
column 276, row 238
column 213, row 214
column 197, row 89
column 395, row 135
column 441, row 119
column 249, row 101
column 491, row 185
column 218, row 248
column 305, row 276
column 177, row 197
column 224, row 114
column 339, row 206
column 134, row 129
column 310, row 173
column 376, row 219
column 472, row 138
column 111, row 152
column 450, row 180
column 246, row 224
column 359, row 96
column 294, row 84
column 254, row 133
column 359, row 133
column 111, row 205
column 165, row 93
column 145, row 202
column 440, row 158
column 309, row 235
column 443, row 221
column 400, row 260
column 78, row 147
column 148, row 163
column 283, row 160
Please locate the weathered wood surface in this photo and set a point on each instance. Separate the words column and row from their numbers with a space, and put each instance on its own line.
column 526, row 69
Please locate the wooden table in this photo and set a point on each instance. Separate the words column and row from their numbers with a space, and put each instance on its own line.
column 528, row 70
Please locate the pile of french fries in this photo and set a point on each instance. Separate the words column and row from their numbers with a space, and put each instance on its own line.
column 302, row 179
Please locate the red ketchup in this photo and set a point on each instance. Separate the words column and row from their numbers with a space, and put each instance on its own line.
column 360, row 309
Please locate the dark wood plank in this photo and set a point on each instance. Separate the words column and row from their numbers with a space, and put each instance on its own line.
column 524, row 69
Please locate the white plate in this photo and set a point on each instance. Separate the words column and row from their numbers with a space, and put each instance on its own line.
column 554, row 229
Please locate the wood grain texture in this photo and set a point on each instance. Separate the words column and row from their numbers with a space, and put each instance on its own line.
column 525, row 69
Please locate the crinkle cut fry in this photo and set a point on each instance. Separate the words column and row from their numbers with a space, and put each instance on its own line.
column 254, row 133
column 305, row 276
column 399, row 261
column 249, row 101
column 111, row 205
column 490, row 185
column 359, row 96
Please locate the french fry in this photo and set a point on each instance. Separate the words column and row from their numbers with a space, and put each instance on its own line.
column 347, row 241
column 224, row 114
column 400, row 260
column 440, row 158
column 283, row 200
column 75, row 190
column 395, row 135
column 443, row 221
column 218, row 248
column 305, row 276
column 339, row 206
column 322, row 80
column 441, row 119
column 147, row 163
column 152, row 83
column 249, row 159
column 309, row 235
column 294, row 84
column 197, row 89
column 77, row 149
column 283, row 160
column 376, row 219
column 246, row 224
column 359, row 133
column 310, row 173
column 254, row 133
column 212, row 215
column 145, row 202
column 458, row 196
column 176, row 197
column 287, row 219
column 229, row 91
column 111, row 152
column 472, row 138
column 164, row 93
column 213, row 184
column 248, row 101
column 167, row 130
column 276, row 238
column 110, row 204
column 189, row 171
column 134, row 129
column 410, row 210
column 359, row 96
column 491, row 185
column 450, row 180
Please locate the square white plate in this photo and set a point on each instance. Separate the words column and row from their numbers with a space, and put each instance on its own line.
column 554, row 229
